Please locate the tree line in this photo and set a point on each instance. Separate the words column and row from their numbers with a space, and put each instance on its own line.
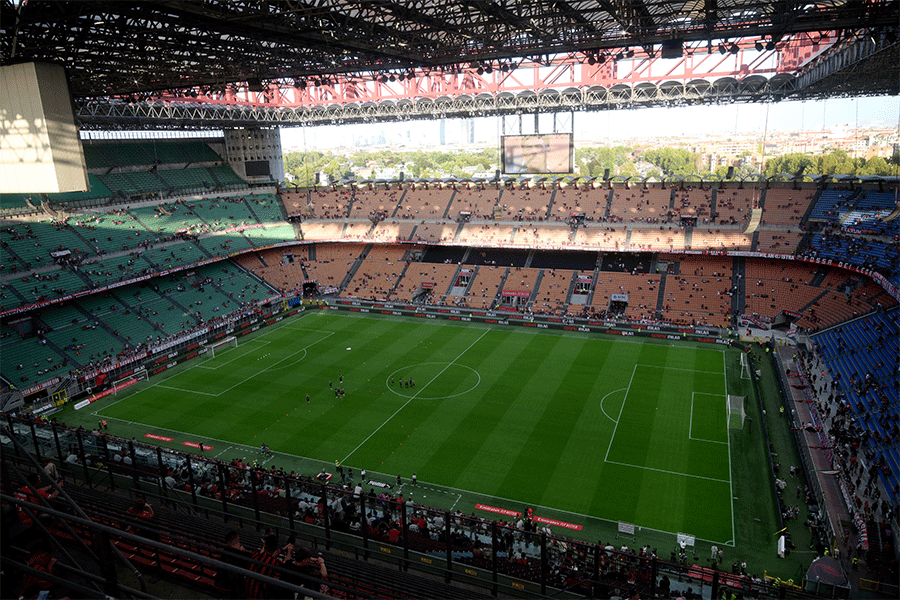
column 589, row 162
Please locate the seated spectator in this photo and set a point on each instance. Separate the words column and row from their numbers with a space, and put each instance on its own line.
column 235, row 555
column 42, row 560
column 309, row 568
column 143, row 514
column 25, row 493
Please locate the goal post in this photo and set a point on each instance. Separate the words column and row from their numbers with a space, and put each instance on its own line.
column 745, row 366
column 736, row 413
column 125, row 382
column 228, row 342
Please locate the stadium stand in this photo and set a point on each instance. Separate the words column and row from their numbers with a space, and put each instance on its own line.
column 591, row 201
column 693, row 202
column 831, row 203
column 321, row 204
column 431, row 204
column 358, row 230
column 485, row 287
column 650, row 205
column 870, row 211
column 157, row 526
column 332, row 263
column 786, row 206
column 186, row 179
column 667, row 237
column 554, row 291
column 693, row 302
column 521, row 279
column 321, row 231
column 367, row 203
column 378, row 273
column 420, row 277
column 483, row 234
column 733, row 206
column 603, row 237
column 393, row 230
column 860, row 251
column 719, row 239
column 859, row 401
column 778, row 242
column 266, row 207
column 434, row 232
column 547, row 236
column 642, row 290
column 525, row 205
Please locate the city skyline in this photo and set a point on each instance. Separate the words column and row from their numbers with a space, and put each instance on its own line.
column 611, row 127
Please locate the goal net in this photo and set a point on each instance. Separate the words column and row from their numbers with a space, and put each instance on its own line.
column 736, row 412
column 125, row 382
column 229, row 342
column 745, row 367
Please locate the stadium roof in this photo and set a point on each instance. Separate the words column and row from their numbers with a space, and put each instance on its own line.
column 125, row 47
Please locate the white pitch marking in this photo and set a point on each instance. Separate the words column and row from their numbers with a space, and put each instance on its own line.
column 416, row 394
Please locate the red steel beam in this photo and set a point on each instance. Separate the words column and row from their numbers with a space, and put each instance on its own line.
column 558, row 73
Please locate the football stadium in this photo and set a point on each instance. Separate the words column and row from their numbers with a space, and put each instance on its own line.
column 226, row 376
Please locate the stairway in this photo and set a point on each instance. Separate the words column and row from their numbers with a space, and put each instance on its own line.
column 352, row 272
column 609, row 202
column 739, row 285
column 819, row 277
column 537, row 285
column 572, row 285
column 661, row 295
column 399, row 203
column 529, row 258
column 449, row 204
column 500, row 287
column 590, row 300
column 398, row 280
column 459, row 229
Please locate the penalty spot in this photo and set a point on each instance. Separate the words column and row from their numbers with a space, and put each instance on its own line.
column 348, row 348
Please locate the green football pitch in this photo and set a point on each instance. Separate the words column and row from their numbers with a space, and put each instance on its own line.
column 583, row 428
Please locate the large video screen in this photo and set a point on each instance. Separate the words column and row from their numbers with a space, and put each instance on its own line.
column 533, row 154
column 257, row 168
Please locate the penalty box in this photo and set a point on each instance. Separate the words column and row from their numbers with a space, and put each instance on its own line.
column 667, row 425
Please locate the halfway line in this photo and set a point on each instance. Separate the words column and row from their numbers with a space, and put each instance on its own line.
column 421, row 389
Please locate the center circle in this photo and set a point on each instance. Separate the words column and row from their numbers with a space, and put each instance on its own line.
column 433, row 380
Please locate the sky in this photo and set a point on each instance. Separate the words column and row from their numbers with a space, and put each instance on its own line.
column 611, row 126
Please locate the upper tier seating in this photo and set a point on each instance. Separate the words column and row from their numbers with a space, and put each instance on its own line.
column 591, row 201
column 734, row 206
column 870, row 210
column 432, row 203
column 322, row 204
column 693, row 202
column 786, row 206
column 650, row 205
column 370, row 202
column 525, row 205
column 831, row 204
